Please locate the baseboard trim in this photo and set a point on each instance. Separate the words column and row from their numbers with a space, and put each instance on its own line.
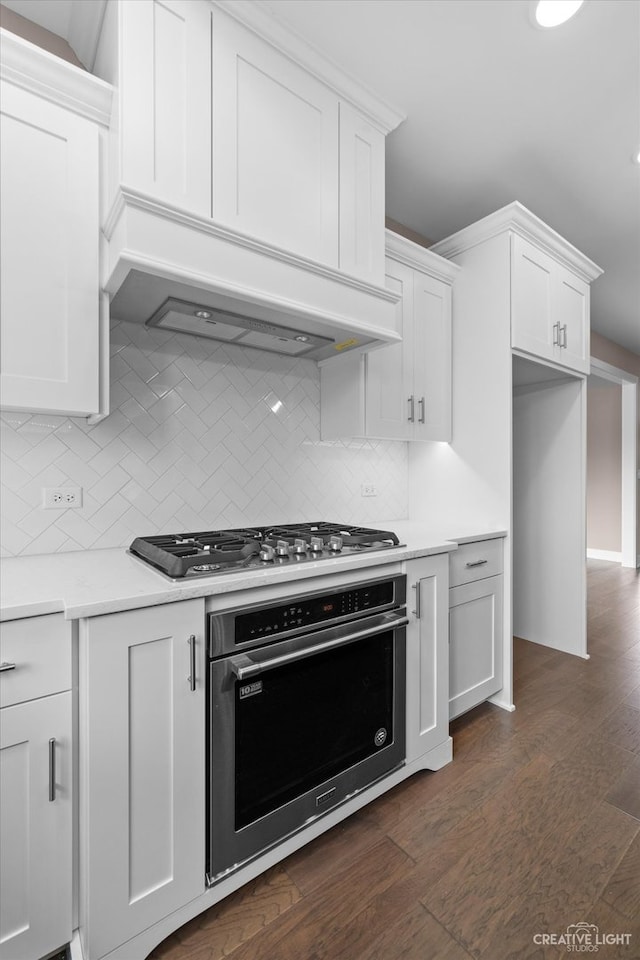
column 614, row 555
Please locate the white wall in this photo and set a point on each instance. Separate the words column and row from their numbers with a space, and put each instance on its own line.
column 201, row 436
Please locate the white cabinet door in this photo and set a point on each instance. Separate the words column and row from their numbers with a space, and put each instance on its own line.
column 142, row 769
column 389, row 370
column 35, row 827
column 49, row 234
column 549, row 308
column 362, row 200
column 532, row 281
column 571, row 313
column 432, row 358
column 165, row 103
column 475, row 643
column 275, row 136
column 427, row 655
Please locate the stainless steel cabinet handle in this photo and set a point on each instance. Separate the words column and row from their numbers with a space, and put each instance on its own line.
column 416, row 586
column 191, row 679
column 244, row 667
column 476, row 563
column 6, row 666
column 556, row 335
column 563, row 330
column 52, row 769
column 410, row 418
column 421, row 408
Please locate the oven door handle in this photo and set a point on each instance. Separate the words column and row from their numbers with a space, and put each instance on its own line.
column 243, row 666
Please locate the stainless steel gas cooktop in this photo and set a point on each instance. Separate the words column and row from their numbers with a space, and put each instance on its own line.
column 184, row 556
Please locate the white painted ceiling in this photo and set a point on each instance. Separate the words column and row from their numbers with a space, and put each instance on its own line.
column 497, row 110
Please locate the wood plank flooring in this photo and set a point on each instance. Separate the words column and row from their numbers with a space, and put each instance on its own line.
column 534, row 826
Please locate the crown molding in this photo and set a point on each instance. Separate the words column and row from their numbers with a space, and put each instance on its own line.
column 419, row 258
column 256, row 15
column 517, row 219
column 38, row 71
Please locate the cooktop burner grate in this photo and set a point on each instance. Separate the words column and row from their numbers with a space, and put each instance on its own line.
column 223, row 551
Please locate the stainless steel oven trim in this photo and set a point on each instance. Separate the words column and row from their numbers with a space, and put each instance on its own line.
column 220, row 625
column 230, row 848
column 243, row 666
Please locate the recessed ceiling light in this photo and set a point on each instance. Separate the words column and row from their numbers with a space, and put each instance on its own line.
column 203, row 314
column 636, row 157
column 551, row 13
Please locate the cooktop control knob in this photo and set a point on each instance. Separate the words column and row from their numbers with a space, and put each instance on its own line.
column 335, row 544
column 267, row 552
column 317, row 544
column 282, row 548
column 300, row 545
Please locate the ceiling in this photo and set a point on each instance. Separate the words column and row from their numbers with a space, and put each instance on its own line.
column 497, row 110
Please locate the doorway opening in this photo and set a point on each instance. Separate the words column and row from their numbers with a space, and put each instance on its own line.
column 603, row 523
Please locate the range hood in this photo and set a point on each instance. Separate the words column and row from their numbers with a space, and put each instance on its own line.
column 217, row 324
column 168, row 270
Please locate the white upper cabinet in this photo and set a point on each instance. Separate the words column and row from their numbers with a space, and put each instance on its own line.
column 550, row 307
column 51, row 116
column 403, row 391
column 165, row 110
column 362, row 201
column 275, row 170
column 245, row 169
column 549, row 283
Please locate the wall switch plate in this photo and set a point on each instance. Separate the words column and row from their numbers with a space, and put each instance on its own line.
column 61, row 498
column 368, row 490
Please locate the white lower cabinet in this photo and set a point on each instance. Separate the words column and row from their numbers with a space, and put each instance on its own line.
column 142, row 764
column 35, row 788
column 427, row 655
column 475, row 625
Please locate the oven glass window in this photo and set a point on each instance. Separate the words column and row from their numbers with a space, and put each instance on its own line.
column 300, row 724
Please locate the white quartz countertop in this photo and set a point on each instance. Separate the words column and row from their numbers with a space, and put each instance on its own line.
column 88, row 583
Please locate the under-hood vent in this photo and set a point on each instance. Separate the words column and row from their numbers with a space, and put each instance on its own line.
column 208, row 321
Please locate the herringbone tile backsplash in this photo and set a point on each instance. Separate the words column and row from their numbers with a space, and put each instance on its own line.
column 202, row 435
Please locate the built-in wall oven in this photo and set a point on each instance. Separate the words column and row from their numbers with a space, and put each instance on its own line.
column 306, row 707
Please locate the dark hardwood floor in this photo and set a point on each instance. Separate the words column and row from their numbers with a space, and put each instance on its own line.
column 534, row 827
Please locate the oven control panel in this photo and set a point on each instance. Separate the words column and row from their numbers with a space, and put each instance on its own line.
column 269, row 622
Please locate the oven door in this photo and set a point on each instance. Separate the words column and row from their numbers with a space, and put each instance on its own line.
column 299, row 726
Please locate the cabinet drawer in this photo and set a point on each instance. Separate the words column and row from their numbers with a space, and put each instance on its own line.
column 475, row 561
column 40, row 648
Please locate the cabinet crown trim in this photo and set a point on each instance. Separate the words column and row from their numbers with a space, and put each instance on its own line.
column 40, row 72
column 518, row 219
column 419, row 258
column 252, row 14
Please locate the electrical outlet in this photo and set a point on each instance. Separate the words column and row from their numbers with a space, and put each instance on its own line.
column 368, row 490
column 61, row 498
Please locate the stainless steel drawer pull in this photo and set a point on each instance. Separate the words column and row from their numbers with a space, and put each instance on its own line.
column 411, row 417
column 52, row 770
column 6, row 666
column 563, row 331
column 556, row 335
column 421, row 408
column 476, row 563
column 191, row 679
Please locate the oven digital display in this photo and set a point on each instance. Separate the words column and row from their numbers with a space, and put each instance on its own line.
column 268, row 623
